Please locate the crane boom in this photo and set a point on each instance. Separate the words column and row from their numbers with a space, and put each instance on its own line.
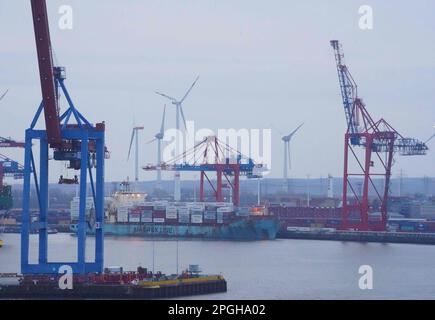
column 9, row 143
column 46, row 72
column 348, row 87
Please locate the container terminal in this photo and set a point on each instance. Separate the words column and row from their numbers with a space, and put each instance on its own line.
column 74, row 140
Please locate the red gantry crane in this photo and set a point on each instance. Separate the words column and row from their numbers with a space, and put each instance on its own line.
column 212, row 155
column 379, row 141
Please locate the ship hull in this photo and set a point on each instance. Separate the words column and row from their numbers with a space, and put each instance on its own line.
column 243, row 230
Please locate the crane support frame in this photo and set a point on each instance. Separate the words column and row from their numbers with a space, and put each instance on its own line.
column 81, row 144
column 87, row 151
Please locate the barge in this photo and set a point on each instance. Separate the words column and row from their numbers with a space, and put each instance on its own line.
column 138, row 285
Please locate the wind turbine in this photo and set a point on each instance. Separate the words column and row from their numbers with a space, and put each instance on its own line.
column 135, row 136
column 287, row 154
column 159, row 137
column 179, row 113
column 4, row 94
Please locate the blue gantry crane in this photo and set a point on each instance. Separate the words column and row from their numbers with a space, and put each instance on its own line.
column 213, row 155
column 74, row 140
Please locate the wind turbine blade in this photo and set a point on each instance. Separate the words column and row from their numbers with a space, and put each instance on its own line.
column 166, row 96
column 274, row 127
column 4, row 94
column 183, row 117
column 162, row 128
column 151, row 141
column 296, row 130
column 190, row 89
column 428, row 140
column 131, row 143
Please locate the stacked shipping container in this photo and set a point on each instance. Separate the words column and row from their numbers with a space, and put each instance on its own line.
column 180, row 213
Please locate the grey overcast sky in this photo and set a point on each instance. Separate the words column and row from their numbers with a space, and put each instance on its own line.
column 260, row 62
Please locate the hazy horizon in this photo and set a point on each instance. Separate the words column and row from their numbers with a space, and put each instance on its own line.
column 260, row 64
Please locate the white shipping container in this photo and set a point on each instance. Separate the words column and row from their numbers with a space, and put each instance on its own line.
column 160, row 203
column 125, row 208
column 183, row 210
column 88, row 199
column 147, row 220
column 197, row 213
column 159, row 208
column 171, row 216
column 75, row 213
column 122, row 217
column 225, row 209
column 222, row 204
column 77, row 205
column 171, row 209
column 196, row 219
column 196, row 206
column 145, row 204
column 134, row 217
column 159, row 220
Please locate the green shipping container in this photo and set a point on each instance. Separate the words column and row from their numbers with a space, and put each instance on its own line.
column 6, row 201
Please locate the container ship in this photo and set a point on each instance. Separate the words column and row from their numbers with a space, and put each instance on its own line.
column 128, row 214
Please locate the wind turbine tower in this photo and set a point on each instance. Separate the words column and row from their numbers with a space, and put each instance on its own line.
column 330, row 186
column 135, row 137
column 179, row 114
column 159, row 137
column 287, row 156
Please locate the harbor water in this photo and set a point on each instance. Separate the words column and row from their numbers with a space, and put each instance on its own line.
column 279, row 269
